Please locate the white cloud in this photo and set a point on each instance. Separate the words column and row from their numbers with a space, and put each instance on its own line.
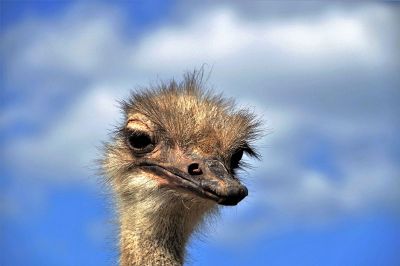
column 222, row 35
column 67, row 150
column 261, row 62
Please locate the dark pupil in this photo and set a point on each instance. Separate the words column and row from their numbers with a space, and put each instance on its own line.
column 139, row 141
column 236, row 157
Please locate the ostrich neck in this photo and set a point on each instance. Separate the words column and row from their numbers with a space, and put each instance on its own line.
column 156, row 234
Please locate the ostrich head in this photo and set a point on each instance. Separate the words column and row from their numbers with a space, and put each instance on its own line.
column 176, row 154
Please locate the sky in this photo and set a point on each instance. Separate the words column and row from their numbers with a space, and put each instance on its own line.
column 323, row 77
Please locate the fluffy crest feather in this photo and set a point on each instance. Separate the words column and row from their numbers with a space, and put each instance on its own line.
column 187, row 113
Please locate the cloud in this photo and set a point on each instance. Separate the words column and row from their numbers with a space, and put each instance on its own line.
column 223, row 35
column 324, row 82
column 67, row 151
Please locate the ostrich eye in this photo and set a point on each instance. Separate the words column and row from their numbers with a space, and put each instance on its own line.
column 235, row 159
column 140, row 142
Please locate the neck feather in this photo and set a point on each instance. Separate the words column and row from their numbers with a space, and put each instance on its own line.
column 154, row 230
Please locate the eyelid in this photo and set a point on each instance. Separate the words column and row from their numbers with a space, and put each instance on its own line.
column 131, row 131
column 136, row 124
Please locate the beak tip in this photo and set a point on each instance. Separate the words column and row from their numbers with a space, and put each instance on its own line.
column 243, row 190
column 234, row 196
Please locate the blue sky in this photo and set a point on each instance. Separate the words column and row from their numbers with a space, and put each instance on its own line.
column 323, row 76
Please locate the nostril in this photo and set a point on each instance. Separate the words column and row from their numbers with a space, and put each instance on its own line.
column 194, row 169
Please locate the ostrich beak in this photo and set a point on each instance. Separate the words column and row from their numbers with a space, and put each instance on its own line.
column 207, row 178
column 218, row 181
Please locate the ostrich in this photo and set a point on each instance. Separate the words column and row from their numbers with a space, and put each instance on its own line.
column 171, row 163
